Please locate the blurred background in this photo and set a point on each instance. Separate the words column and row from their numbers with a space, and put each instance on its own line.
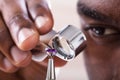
column 64, row 13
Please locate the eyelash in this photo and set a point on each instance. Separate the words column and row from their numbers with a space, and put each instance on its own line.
column 102, row 31
column 103, row 34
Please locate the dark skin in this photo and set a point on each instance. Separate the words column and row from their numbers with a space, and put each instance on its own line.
column 21, row 24
column 100, row 20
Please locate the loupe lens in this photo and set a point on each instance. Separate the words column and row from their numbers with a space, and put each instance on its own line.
column 63, row 47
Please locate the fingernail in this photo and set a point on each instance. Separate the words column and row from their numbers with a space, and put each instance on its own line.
column 20, row 57
column 25, row 34
column 8, row 67
column 40, row 21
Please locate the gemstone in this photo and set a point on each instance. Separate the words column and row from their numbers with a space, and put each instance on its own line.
column 51, row 51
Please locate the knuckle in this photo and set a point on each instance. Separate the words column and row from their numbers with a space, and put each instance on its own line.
column 5, row 38
column 5, row 32
column 18, row 20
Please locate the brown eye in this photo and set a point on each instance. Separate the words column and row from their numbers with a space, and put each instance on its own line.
column 99, row 31
column 102, row 31
column 103, row 34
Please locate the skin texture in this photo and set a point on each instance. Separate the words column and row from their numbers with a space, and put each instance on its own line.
column 21, row 23
column 21, row 28
column 100, row 20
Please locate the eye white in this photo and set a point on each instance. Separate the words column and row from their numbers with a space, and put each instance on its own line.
column 109, row 31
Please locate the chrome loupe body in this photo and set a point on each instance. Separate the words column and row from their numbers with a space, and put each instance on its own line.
column 68, row 43
column 65, row 44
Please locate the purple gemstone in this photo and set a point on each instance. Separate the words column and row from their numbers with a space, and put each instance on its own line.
column 51, row 50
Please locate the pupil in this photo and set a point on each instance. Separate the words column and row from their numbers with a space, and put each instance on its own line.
column 99, row 30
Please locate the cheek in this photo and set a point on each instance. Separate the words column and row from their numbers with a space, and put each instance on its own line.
column 97, row 53
column 101, row 52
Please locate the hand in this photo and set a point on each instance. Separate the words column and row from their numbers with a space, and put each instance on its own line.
column 21, row 22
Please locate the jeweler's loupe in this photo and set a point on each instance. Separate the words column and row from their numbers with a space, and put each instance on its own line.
column 65, row 44
column 63, row 47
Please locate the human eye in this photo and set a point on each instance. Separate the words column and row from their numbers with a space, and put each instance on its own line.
column 103, row 33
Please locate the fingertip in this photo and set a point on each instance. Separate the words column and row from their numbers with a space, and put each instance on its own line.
column 29, row 42
column 20, row 58
column 8, row 66
column 41, row 15
column 44, row 24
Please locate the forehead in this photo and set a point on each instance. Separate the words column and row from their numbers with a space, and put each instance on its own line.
column 110, row 8
column 101, row 3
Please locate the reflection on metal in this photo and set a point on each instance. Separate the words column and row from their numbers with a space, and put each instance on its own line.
column 65, row 44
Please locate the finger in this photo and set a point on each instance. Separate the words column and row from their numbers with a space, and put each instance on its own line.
column 20, row 58
column 41, row 15
column 6, row 66
column 22, row 29
column 13, row 56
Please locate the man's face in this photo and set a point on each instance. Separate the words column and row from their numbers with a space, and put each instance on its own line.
column 100, row 21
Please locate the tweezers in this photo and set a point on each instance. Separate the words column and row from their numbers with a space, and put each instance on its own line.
column 51, row 69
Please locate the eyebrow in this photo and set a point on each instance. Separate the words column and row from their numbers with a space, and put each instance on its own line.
column 91, row 13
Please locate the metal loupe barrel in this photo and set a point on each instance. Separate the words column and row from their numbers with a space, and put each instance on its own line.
column 69, row 42
column 64, row 48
